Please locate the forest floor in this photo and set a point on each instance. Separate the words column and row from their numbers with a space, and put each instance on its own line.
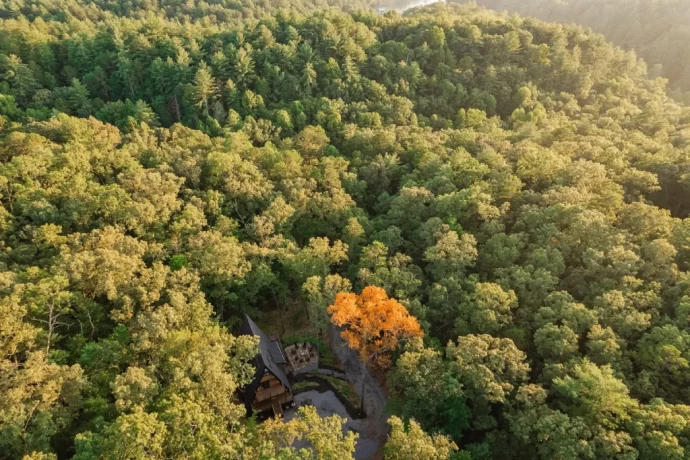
column 288, row 321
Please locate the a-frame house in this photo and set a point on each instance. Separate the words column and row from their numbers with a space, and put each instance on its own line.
column 270, row 389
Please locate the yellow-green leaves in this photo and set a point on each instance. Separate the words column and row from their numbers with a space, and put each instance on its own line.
column 411, row 443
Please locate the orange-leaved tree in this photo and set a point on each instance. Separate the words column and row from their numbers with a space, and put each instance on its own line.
column 374, row 324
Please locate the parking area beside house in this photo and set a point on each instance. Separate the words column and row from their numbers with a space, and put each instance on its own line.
column 293, row 376
column 327, row 403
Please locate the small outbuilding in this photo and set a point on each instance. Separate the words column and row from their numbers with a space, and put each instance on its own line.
column 270, row 389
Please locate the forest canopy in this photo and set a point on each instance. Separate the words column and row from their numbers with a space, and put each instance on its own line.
column 657, row 30
column 521, row 188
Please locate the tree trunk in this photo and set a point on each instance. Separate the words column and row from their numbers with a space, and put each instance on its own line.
column 177, row 109
column 280, row 312
column 361, row 392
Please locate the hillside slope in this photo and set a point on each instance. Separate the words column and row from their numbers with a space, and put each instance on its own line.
column 657, row 30
column 521, row 187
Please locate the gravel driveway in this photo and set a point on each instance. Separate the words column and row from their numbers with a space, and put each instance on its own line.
column 327, row 404
column 373, row 430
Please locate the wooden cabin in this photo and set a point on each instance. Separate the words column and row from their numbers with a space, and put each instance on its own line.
column 270, row 389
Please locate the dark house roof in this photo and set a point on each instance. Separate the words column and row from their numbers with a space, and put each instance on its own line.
column 269, row 359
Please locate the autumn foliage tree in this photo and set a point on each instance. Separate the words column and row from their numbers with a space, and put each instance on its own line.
column 373, row 324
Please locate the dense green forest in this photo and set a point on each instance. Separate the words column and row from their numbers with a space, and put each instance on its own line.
column 217, row 11
column 658, row 30
column 521, row 187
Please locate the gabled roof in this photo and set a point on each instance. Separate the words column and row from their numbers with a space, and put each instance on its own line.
column 269, row 358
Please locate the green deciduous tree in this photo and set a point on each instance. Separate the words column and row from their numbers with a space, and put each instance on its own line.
column 412, row 442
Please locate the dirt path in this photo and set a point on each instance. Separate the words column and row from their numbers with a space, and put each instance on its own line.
column 327, row 404
column 331, row 372
column 374, row 395
column 372, row 429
